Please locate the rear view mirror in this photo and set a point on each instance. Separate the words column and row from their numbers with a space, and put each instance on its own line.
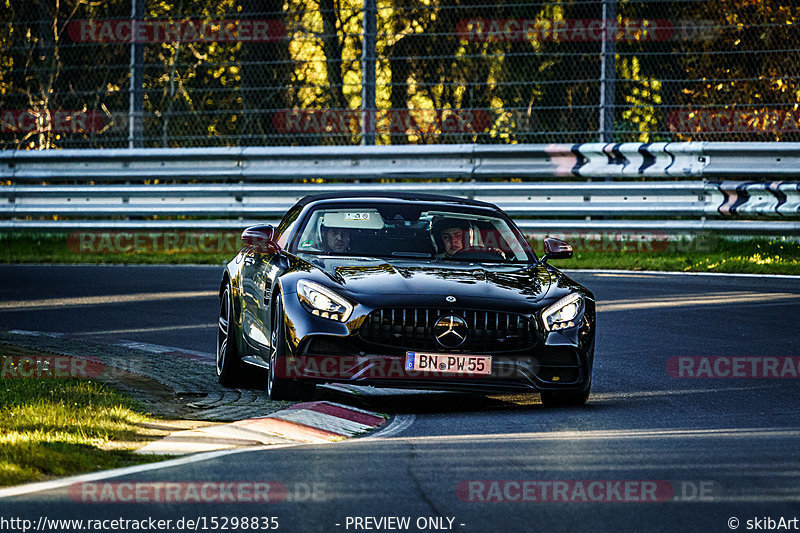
column 260, row 239
column 556, row 249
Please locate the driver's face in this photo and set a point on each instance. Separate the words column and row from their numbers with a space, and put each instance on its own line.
column 453, row 239
column 337, row 239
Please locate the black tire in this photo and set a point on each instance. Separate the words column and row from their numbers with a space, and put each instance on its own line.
column 228, row 364
column 308, row 390
column 564, row 399
column 280, row 388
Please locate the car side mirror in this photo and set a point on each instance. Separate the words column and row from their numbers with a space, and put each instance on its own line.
column 260, row 239
column 556, row 249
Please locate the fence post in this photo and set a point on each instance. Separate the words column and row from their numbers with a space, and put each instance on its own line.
column 368, row 58
column 136, row 91
column 608, row 70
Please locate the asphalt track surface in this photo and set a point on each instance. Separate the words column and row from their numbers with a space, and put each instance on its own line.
column 707, row 450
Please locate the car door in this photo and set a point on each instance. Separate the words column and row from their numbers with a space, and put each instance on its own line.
column 259, row 276
column 253, row 295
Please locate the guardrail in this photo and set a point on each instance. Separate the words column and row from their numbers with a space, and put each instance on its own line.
column 250, row 164
column 463, row 161
column 38, row 197
column 228, row 205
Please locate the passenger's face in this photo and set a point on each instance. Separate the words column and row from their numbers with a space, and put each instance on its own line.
column 453, row 239
column 337, row 239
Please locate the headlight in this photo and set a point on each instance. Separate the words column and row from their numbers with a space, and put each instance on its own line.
column 562, row 314
column 323, row 302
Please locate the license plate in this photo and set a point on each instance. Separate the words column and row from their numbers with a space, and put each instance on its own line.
column 452, row 364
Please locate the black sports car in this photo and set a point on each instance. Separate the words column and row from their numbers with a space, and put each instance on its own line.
column 403, row 290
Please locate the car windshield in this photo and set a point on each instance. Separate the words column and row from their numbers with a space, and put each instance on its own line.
column 406, row 231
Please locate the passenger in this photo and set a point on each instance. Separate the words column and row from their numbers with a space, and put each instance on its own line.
column 335, row 240
column 450, row 235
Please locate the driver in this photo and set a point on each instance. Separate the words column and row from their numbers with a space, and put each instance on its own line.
column 450, row 235
column 336, row 240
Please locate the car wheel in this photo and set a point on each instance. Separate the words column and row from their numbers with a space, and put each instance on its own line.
column 564, row 399
column 308, row 391
column 229, row 366
column 280, row 388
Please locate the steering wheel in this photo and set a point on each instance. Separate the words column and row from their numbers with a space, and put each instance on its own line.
column 480, row 254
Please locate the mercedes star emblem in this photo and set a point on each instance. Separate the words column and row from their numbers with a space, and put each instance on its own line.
column 450, row 331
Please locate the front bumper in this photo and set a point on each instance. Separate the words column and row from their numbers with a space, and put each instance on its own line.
column 508, row 373
column 326, row 351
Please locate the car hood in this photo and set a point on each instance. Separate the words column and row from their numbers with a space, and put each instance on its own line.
column 384, row 281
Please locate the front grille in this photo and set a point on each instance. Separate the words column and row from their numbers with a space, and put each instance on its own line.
column 412, row 329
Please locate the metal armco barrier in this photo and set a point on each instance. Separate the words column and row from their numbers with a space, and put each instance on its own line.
column 427, row 162
column 227, row 188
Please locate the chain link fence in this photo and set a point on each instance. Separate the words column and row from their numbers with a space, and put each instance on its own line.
column 157, row 73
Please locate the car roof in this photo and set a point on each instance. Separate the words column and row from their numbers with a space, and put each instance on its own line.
column 401, row 196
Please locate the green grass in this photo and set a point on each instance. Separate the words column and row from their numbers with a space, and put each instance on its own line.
column 757, row 256
column 59, row 248
column 707, row 254
column 59, row 427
